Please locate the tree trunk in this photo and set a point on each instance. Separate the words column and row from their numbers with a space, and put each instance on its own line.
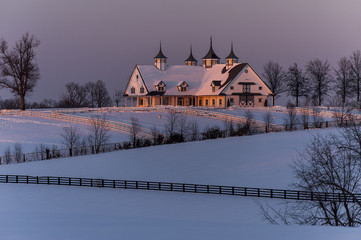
column 358, row 90
column 22, row 102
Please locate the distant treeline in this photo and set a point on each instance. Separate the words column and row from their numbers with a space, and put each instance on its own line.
column 90, row 94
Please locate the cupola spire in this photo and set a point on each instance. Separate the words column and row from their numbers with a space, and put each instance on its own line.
column 160, row 61
column 231, row 59
column 191, row 61
column 211, row 57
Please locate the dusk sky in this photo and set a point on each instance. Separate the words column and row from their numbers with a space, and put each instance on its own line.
column 87, row 40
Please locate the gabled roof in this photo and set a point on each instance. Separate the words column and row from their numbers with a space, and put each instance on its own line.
column 160, row 53
column 198, row 78
column 211, row 54
column 191, row 58
column 231, row 54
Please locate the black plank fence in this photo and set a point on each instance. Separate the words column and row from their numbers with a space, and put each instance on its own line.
column 184, row 187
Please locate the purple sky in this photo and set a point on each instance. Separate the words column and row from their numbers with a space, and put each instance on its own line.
column 87, row 40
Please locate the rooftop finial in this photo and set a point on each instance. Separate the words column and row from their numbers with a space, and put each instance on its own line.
column 160, row 53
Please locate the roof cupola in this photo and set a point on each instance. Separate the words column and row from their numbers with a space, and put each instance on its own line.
column 160, row 61
column 231, row 59
column 191, row 61
column 210, row 58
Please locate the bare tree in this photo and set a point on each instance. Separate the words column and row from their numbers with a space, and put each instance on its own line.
column 355, row 64
column 134, row 131
column 343, row 80
column 228, row 128
column 291, row 120
column 74, row 96
column 99, row 132
column 268, row 119
column 329, row 164
column 305, row 117
column 172, row 122
column 194, row 130
column 249, row 126
column 19, row 71
column 71, row 138
column 91, row 89
column 275, row 76
column 343, row 116
column 319, row 75
column 102, row 98
column 183, row 125
column 7, row 155
column 18, row 153
column 118, row 95
column 297, row 83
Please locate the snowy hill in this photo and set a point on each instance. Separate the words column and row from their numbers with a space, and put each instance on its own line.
column 59, row 212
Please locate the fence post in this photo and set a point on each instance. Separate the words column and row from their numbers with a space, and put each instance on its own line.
column 7, row 178
column 48, row 181
column 184, row 188
column 37, row 179
column 27, row 179
column 207, row 188
column 125, row 184
column 232, row 190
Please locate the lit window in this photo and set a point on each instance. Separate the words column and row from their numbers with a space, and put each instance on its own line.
column 132, row 90
column 142, row 89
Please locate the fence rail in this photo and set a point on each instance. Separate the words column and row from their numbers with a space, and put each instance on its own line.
column 184, row 187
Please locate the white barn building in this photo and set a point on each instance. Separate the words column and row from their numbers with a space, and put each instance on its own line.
column 212, row 84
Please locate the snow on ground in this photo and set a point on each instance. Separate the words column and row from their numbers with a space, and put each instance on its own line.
column 157, row 119
column 278, row 117
column 60, row 212
column 31, row 132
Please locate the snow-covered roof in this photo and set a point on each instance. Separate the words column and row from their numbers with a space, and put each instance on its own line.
column 198, row 78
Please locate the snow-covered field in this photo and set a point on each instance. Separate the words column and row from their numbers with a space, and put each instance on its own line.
column 30, row 132
column 60, row 212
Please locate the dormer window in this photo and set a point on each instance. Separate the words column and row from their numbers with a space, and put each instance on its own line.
column 141, row 89
column 215, row 84
column 160, row 87
column 132, row 90
column 182, row 87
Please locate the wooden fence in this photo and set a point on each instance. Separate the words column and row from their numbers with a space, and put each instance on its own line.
column 55, row 115
column 184, row 187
